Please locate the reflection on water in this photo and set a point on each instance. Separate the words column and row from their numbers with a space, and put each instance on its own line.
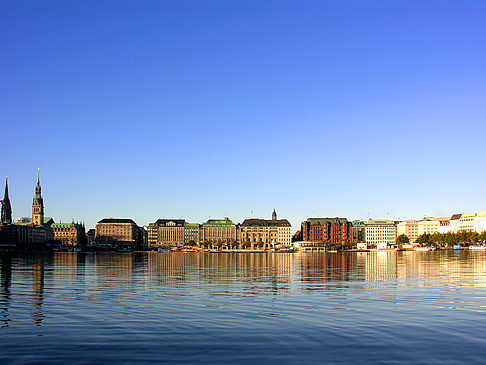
column 146, row 297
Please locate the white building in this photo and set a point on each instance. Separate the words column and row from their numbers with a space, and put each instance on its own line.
column 480, row 222
column 431, row 225
column 409, row 229
column 379, row 232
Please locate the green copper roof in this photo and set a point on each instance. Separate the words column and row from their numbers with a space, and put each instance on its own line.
column 219, row 223
column 376, row 221
column 357, row 222
column 482, row 214
column 62, row 225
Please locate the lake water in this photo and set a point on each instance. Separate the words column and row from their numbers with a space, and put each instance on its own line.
column 416, row 307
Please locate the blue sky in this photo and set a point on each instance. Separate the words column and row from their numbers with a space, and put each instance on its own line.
column 198, row 109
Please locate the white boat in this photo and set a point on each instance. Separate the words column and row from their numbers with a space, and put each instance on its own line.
column 477, row 247
column 383, row 246
column 420, row 248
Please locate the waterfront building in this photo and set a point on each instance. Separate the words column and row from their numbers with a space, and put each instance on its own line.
column 480, row 222
column 25, row 231
column 410, row 229
column 358, row 231
column 297, row 236
column 191, row 232
column 333, row 230
column 90, row 236
column 444, row 225
column 454, row 223
column 73, row 234
column 430, row 225
column 466, row 222
column 166, row 232
column 266, row 233
column 218, row 230
column 379, row 232
column 117, row 231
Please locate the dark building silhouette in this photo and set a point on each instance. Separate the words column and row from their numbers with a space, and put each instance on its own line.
column 6, row 207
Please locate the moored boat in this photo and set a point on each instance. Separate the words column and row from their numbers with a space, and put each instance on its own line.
column 420, row 248
column 477, row 247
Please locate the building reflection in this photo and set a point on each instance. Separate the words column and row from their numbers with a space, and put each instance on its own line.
column 37, row 292
column 5, row 283
column 226, row 269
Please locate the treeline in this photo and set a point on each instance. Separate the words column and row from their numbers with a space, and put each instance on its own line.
column 451, row 238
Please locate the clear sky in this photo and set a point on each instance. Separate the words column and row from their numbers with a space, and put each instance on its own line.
column 197, row 109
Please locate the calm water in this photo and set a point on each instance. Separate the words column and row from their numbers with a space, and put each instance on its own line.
column 390, row 307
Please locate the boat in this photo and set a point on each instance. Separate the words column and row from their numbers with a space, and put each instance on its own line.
column 477, row 247
column 457, row 247
column 420, row 248
column 383, row 246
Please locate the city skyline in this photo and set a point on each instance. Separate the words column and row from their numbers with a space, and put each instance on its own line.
column 165, row 110
column 37, row 196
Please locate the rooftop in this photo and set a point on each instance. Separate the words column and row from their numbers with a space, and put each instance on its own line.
column 255, row 222
column 117, row 220
column 219, row 223
column 376, row 221
column 327, row 220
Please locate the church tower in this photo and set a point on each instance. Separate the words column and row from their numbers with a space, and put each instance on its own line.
column 38, row 205
column 274, row 215
column 6, row 207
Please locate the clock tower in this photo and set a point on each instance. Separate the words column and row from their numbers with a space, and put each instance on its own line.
column 38, row 205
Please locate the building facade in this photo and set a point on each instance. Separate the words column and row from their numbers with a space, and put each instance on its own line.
column 266, row 233
column 359, row 231
column 408, row 228
column 333, row 230
column 117, row 230
column 480, row 222
column 166, row 232
column 380, row 233
column 73, row 234
column 218, row 230
column 191, row 233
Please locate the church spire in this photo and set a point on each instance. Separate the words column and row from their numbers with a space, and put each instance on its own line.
column 274, row 215
column 6, row 207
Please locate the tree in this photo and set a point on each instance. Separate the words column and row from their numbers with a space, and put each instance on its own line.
column 482, row 236
column 402, row 239
column 423, row 239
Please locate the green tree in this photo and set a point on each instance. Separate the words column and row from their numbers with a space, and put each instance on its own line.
column 402, row 239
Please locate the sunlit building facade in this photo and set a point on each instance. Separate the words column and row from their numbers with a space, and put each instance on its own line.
column 380, row 232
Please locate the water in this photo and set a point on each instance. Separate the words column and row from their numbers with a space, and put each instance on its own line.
column 386, row 307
